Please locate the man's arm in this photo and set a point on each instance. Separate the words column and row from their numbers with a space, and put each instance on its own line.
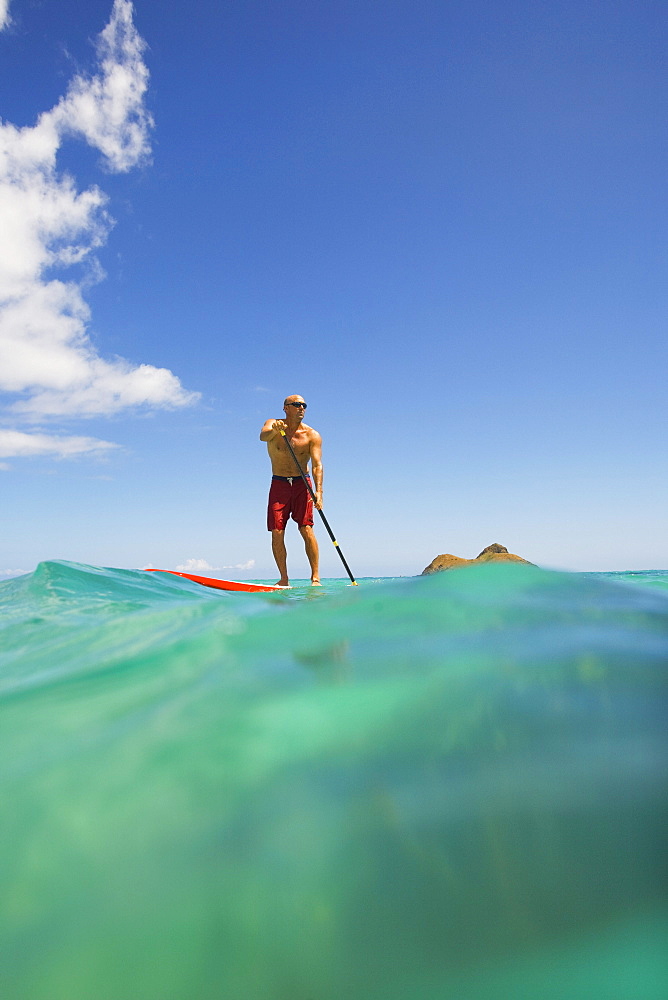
column 271, row 428
column 316, row 467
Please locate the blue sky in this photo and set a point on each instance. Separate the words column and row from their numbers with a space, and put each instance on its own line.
column 443, row 224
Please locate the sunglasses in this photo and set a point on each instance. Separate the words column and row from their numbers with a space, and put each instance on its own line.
column 298, row 405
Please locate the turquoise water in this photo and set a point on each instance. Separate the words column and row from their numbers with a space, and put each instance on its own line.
column 418, row 789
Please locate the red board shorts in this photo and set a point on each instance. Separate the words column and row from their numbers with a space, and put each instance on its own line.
column 289, row 498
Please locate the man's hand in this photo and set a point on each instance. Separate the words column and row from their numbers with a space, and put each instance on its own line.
column 271, row 428
column 318, row 499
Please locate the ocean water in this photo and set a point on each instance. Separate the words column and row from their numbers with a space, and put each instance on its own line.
column 418, row 789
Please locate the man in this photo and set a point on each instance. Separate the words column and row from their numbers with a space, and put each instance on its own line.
column 288, row 496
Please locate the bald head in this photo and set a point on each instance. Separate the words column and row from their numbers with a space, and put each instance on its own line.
column 294, row 406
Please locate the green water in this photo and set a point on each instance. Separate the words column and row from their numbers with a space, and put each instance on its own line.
column 444, row 787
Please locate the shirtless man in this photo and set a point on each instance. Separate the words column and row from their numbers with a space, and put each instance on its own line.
column 288, row 495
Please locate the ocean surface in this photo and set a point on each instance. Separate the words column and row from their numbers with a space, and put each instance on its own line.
column 418, row 789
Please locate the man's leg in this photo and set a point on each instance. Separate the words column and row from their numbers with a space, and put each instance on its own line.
column 311, row 546
column 281, row 556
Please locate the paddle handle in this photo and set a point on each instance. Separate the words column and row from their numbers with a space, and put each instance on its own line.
column 324, row 519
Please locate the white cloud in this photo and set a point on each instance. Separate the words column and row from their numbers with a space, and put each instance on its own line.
column 13, row 572
column 246, row 565
column 108, row 109
column 17, row 444
column 46, row 356
column 4, row 14
column 197, row 566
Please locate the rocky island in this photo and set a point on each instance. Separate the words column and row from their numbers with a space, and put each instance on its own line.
column 493, row 553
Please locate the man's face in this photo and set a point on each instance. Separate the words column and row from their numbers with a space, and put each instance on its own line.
column 295, row 406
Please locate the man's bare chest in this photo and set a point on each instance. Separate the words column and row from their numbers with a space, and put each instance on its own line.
column 300, row 443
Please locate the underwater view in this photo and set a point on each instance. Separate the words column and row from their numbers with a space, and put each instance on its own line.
column 424, row 788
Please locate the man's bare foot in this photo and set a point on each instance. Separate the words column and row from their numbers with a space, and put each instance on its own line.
column 316, row 583
column 285, row 583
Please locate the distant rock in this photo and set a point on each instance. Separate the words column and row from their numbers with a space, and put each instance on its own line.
column 493, row 553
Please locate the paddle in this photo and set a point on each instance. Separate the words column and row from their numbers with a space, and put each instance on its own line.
column 324, row 519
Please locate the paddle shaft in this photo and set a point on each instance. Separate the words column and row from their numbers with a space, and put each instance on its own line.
column 324, row 519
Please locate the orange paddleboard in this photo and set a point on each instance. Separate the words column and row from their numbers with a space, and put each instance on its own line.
column 247, row 588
